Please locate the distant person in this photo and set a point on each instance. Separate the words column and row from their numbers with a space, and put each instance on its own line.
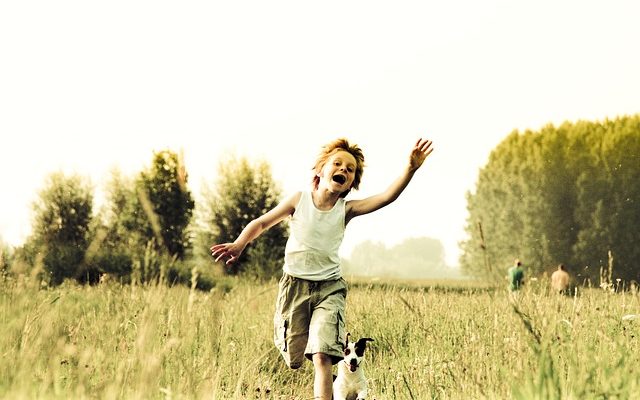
column 516, row 276
column 560, row 279
column 310, row 305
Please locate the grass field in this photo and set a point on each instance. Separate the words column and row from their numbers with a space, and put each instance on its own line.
column 432, row 340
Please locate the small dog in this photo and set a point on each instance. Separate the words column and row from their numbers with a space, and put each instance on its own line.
column 350, row 382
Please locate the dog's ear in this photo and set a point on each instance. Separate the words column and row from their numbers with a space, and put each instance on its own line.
column 361, row 345
column 346, row 341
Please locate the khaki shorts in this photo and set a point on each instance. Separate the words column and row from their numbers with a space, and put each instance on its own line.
column 309, row 319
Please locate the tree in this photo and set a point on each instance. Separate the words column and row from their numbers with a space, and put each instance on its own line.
column 167, row 203
column 145, row 221
column 608, row 190
column 5, row 258
column 243, row 192
column 413, row 258
column 368, row 259
column 62, row 218
column 561, row 195
column 117, row 228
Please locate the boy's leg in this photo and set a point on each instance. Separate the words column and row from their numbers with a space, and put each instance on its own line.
column 323, row 379
column 326, row 333
column 291, row 320
column 327, row 328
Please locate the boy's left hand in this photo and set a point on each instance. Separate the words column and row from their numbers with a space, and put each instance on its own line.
column 420, row 152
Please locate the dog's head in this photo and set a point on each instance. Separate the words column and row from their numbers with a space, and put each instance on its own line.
column 354, row 352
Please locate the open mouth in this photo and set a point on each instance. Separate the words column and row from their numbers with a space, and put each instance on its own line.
column 353, row 368
column 341, row 179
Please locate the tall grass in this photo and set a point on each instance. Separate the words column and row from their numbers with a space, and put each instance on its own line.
column 431, row 341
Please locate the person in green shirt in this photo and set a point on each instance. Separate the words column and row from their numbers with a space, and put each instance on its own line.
column 516, row 276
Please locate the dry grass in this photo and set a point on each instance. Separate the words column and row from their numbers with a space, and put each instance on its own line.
column 431, row 341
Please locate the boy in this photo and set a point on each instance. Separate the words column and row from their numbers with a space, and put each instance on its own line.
column 309, row 317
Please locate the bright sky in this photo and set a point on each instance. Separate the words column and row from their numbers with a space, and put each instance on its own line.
column 86, row 86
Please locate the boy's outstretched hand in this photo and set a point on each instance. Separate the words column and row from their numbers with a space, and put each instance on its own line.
column 420, row 152
column 230, row 251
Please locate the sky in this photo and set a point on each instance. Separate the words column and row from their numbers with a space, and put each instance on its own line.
column 87, row 86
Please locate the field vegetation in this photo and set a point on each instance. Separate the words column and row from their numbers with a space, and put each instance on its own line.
column 432, row 340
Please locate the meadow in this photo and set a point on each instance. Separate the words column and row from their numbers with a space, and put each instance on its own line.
column 433, row 340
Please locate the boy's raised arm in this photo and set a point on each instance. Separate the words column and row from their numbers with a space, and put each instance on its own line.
column 419, row 153
column 231, row 251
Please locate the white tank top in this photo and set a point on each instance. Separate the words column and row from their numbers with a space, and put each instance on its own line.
column 314, row 239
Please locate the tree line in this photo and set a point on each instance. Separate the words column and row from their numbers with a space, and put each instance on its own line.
column 150, row 228
column 568, row 194
column 413, row 258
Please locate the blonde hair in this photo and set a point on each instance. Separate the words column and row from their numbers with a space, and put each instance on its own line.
column 330, row 149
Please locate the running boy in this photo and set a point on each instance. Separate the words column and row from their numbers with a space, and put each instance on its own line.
column 309, row 317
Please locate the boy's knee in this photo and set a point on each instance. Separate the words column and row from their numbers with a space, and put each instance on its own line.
column 322, row 359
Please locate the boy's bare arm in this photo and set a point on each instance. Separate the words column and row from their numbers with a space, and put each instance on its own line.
column 419, row 153
column 232, row 251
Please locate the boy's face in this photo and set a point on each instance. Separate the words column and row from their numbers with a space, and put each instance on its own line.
column 338, row 172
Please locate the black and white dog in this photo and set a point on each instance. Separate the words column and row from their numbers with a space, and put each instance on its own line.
column 351, row 382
